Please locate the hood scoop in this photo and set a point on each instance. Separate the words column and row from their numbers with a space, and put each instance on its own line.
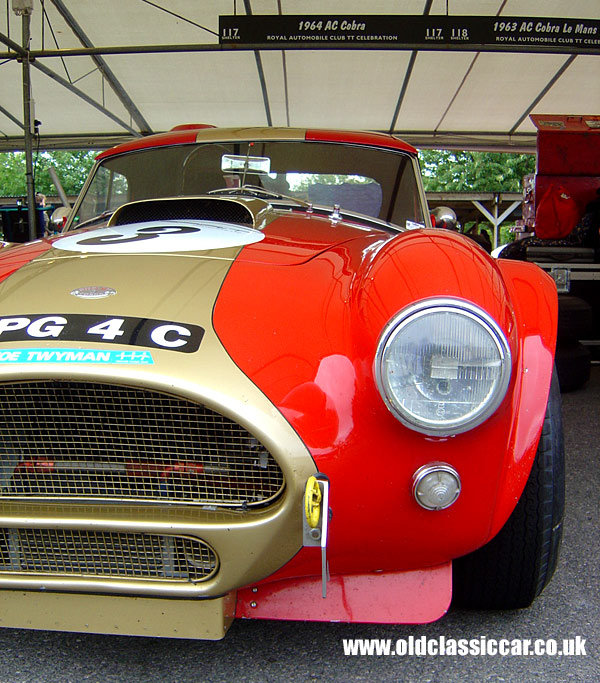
column 237, row 211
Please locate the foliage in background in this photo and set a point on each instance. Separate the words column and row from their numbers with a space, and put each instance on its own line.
column 72, row 168
column 451, row 171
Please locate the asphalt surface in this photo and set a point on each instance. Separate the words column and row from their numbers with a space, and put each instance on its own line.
column 285, row 651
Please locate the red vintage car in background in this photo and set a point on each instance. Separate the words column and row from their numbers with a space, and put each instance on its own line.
column 250, row 380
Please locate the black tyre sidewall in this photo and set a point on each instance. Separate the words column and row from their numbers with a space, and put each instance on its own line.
column 512, row 569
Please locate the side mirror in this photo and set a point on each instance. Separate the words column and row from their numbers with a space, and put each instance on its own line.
column 59, row 217
column 444, row 217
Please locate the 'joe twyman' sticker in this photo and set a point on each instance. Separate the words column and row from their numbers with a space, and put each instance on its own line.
column 153, row 237
column 156, row 334
column 87, row 356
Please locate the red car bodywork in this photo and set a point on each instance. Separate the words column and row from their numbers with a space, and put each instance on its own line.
column 376, row 523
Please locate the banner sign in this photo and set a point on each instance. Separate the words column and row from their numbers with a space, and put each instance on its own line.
column 424, row 32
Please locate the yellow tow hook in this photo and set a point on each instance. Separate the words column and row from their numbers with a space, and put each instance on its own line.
column 315, row 520
column 312, row 502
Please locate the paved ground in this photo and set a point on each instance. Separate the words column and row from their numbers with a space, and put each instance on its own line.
column 271, row 651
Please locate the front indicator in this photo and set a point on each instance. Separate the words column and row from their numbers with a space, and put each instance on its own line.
column 436, row 486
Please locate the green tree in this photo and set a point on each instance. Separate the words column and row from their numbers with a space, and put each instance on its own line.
column 72, row 168
column 452, row 171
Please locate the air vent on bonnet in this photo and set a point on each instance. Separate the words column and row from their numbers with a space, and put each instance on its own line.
column 225, row 210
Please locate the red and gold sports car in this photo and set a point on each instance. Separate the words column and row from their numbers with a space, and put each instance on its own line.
column 249, row 379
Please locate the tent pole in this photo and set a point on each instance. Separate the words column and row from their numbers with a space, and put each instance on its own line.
column 28, row 124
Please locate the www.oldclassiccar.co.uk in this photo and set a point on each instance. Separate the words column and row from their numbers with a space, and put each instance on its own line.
column 424, row 646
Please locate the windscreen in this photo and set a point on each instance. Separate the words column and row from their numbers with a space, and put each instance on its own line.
column 370, row 181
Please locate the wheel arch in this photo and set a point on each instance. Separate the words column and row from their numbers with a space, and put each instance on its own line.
column 535, row 306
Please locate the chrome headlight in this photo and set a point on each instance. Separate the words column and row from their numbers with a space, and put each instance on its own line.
column 442, row 366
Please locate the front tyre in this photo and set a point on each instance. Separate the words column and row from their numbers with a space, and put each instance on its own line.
column 512, row 569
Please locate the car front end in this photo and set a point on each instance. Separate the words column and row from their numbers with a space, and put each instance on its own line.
column 269, row 392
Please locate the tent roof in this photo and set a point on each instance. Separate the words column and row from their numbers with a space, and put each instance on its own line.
column 432, row 98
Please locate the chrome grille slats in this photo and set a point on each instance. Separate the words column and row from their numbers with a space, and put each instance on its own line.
column 66, row 439
column 107, row 555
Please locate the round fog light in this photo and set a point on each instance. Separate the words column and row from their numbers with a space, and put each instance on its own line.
column 436, row 486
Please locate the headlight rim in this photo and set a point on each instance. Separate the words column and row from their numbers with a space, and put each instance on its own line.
column 423, row 307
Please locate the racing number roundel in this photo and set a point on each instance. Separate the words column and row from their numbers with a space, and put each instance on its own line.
column 160, row 237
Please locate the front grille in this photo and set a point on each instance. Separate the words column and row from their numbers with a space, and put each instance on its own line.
column 73, row 553
column 224, row 210
column 103, row 441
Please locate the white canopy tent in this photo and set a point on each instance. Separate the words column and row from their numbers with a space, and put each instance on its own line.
column 83, row 73
column 158, row 63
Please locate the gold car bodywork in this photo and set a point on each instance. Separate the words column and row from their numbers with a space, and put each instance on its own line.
column 250, row 544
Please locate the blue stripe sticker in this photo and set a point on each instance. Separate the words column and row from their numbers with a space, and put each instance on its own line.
column 86, row 356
